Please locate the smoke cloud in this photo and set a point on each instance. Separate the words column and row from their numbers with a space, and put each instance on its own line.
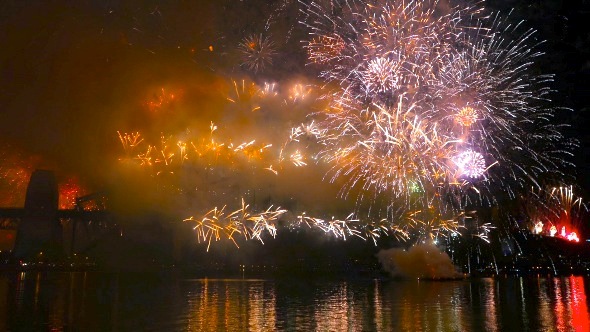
column 74, row 77
column 419, row 261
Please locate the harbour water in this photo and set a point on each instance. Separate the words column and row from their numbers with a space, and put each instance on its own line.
column 169, row 301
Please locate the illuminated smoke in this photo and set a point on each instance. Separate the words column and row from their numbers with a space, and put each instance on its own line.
column 419, row 261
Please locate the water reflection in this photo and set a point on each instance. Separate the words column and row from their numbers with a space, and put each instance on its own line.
column 570, row 303
column 166, row 301
column 230, row 304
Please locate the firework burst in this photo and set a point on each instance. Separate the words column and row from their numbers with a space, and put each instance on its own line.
column 380, row 76
column 466, row 116
column 471, row 164
column 385, row 150
column 408, row 75
column 257, row 52
column 428, row 99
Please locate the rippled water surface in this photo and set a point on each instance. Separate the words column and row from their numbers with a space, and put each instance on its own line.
column 91, row 301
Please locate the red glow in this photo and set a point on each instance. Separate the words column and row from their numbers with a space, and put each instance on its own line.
column 69, row 192
column 571, row 236
column 162, row 99
column 15, row 171
column 580, row 319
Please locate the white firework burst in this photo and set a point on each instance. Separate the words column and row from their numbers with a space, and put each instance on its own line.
column 471, row 164
column 380, row 76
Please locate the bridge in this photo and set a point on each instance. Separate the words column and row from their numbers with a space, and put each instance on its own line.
column 40, row 225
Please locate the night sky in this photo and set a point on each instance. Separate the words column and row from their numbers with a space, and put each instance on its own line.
column 75, row 73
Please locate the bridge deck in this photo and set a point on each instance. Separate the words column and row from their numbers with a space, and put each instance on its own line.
column 68, row 214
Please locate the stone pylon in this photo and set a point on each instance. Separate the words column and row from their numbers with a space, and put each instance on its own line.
column 39, row 234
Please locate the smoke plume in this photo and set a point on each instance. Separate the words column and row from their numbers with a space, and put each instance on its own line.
column 419, row 261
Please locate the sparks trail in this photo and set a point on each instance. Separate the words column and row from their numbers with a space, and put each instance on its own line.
column 251, row 225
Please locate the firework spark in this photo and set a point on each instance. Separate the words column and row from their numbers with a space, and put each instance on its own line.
column 216, row 225
column 130, row 141
column 299, row 92
column 269, row 90
column 69, row 192
column 244, row 93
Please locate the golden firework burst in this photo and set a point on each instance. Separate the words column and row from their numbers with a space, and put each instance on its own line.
column 466, row 116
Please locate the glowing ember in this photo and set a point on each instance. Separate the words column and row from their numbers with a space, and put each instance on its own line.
column 573, row 237
column 538, row 227
column 161, row 99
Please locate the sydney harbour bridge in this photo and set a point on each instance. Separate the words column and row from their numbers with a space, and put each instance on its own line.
column 40, row 228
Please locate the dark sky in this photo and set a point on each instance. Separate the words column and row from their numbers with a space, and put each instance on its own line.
column 73, row 73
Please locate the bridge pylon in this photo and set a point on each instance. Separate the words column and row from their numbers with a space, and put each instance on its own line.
column 39, row 234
